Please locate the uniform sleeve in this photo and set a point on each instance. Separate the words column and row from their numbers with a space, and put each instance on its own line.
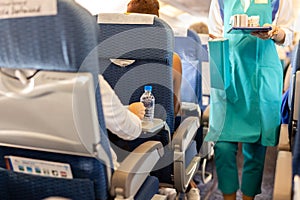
column 215, row 21
column 118, row 119
column 284, row 18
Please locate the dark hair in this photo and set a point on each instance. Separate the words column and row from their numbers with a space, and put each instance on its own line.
column 143, row 6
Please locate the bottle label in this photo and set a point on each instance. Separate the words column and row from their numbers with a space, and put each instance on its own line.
column 149, row 105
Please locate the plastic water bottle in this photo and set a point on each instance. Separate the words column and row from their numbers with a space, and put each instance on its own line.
column 148, row 100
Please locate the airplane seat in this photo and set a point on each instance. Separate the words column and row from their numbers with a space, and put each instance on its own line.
column 156, row 49
column 141, row 52
column 198, row 38
column 51, row 111
column 191, row 52
column 295, row 135
column 287, row 158
column 296, row 161
column 202, row 39
column 188, row 47
column 194, row 54
column 192, row 34
column 293, row 97
column 3, row 184
column 283, row 172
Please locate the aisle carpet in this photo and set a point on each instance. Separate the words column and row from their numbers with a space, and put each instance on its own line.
column 210, row 190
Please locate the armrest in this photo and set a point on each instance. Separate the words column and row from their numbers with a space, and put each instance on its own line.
column 283, row 176
column 205, row 116
column 135, row 168
column 190, row 109
column 182, row 139
column 284, row 142
column 185, row 133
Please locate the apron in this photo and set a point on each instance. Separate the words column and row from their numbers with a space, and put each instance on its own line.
column 253, row 113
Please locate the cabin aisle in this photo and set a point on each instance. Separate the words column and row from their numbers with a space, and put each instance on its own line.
column 211, row 192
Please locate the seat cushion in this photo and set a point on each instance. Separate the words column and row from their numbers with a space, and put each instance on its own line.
column 148, row 189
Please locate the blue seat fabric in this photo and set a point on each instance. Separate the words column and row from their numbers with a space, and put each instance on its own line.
column 190, row 53
column 152, row 51
column 296, row 152
column 19, row 186
column 161, row 55
column 87, row 171
column 150, row 46
column 62, row 42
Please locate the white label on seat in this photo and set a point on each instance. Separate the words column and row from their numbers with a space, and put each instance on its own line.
column 27, row 8
column 180, row 31
column 121, row 18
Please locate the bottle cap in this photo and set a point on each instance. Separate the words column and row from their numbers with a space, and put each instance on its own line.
column 148, row 88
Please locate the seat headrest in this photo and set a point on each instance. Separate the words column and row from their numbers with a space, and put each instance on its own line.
column 29, row 8
column 63, row 38
column 180, row 31
column 125, row 18
column 183, row 32
column 135, row 41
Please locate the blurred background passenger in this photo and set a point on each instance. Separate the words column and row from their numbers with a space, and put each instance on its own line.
column 199, row 27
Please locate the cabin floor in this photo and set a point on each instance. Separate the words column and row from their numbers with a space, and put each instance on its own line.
column 210, row 190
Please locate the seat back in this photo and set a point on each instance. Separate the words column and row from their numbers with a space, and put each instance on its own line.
column 192, row 34
column 205, row 70
column 202, row 39
column 189, row 50
column 293, row 94
column 295, row 83
column 296, row 153
column 50, row 102
column 148, row 42
column 295, row 108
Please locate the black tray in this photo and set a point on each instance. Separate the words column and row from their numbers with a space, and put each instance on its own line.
column 248, row 30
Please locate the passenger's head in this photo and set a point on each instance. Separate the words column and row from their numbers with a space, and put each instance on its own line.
column 143, row 6
column 199, row 27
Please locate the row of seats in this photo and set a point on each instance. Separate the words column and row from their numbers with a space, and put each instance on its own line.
column 148, row 42
column 193, row 55
column 51, row 104
column 51, row 110
column 286, row 183
column 295, row 123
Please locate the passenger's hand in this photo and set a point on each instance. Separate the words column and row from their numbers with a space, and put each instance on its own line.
column 138, row 109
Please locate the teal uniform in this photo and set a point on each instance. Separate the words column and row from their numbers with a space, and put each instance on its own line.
column 252, row 114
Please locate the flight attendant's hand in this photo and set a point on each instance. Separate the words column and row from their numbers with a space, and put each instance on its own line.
column 276, row 34
column 212, row 36
column 138, row 109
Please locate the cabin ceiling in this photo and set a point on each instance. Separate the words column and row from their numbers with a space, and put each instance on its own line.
column 194, row 7
column 186, row 12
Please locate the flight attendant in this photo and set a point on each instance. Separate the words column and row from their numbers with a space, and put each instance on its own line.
column 252, row 115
